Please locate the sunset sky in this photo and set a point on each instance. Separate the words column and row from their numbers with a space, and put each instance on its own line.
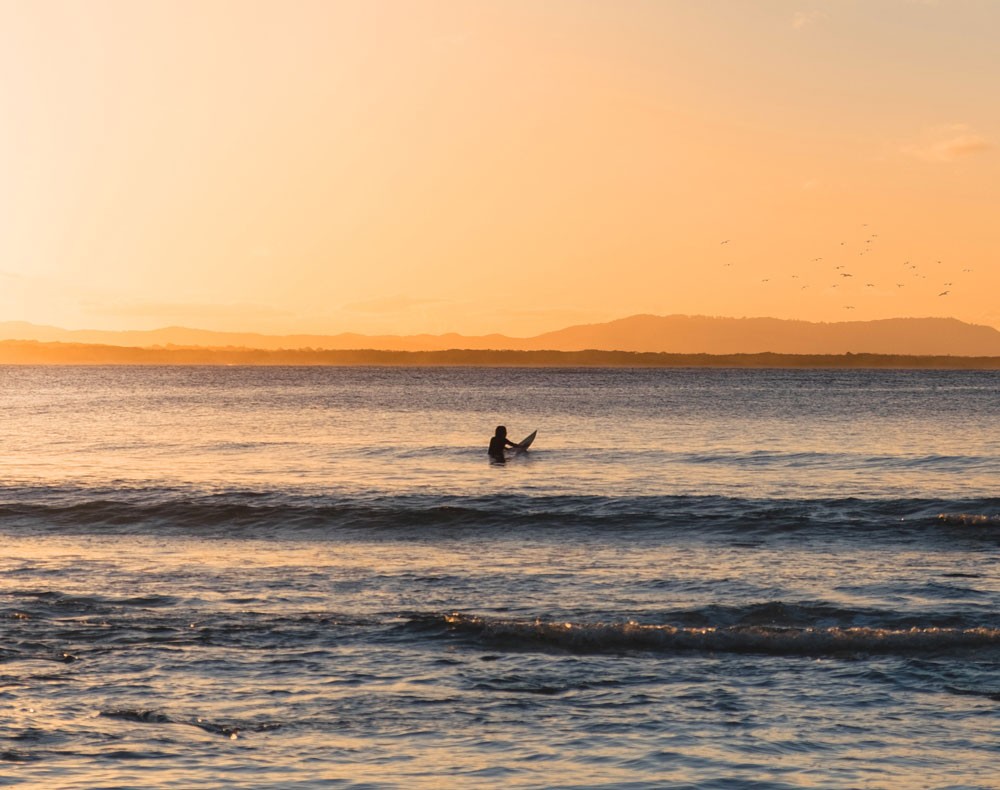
column 514, row 167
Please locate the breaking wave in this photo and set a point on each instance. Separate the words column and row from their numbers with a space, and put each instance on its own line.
column 236, row 513
column 630, row 635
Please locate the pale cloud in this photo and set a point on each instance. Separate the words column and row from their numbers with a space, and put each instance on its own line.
column 557, row 314
column 389, row 304
column 803, row 19
column 947, row 143
column 183, row 310
column 528, row 322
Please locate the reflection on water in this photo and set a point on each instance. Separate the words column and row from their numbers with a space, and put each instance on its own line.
column 302, row 578
column 286, row 662
column 614, row 432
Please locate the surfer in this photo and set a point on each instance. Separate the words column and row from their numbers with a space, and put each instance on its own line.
column 498, row 443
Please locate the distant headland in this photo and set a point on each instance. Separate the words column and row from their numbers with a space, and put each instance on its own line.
column 641, row 340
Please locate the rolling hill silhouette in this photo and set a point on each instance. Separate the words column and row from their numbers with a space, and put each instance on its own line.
column 676, row 334
column 680, row 334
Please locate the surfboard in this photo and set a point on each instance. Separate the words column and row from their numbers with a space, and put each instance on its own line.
column 525, row 443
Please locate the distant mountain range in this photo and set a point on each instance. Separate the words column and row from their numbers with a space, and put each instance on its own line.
column 675, row 334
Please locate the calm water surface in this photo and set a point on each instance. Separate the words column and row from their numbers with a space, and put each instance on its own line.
column 303, row 577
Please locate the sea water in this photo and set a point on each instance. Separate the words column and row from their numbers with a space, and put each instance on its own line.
column 315, row 577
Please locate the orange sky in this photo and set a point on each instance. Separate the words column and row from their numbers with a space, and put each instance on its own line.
column 496, row 166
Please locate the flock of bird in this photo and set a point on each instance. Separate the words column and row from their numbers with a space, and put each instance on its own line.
column 910, row 269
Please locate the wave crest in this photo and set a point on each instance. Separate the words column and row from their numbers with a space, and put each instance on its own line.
column 773, row 640
column 249, row 512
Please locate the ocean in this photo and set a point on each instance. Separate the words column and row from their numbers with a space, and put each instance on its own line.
column 314, row 577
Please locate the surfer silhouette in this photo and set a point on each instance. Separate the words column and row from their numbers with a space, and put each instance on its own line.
column 498, row 443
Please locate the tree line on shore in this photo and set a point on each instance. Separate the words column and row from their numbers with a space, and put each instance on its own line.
column 29, row 352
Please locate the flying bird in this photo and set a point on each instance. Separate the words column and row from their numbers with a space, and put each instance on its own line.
column 844, row 274
column 724, row 242
column 869, row 285
column 849, row 307
column 944, row 293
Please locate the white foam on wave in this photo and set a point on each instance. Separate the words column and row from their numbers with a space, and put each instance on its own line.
column 969, row 519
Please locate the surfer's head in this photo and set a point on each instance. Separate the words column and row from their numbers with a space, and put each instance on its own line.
column 501, row 431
